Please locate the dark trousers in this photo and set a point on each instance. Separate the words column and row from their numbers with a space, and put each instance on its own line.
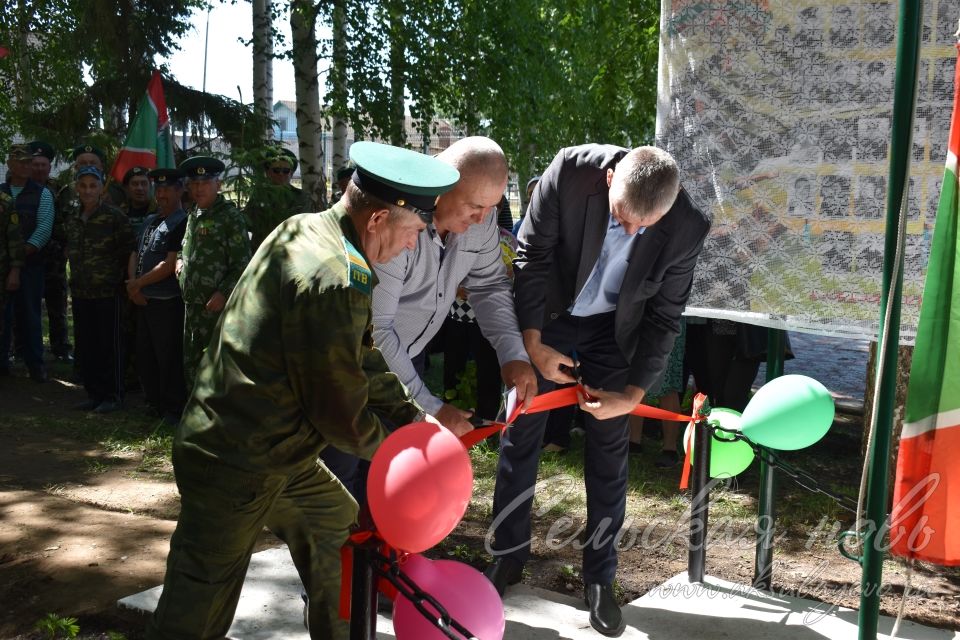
column 461, row 340
column 55, row 297
column 159, row 358
column 99, row 352
column 605, row 454
column 23, row 310
column 722, row 373
column 222, row 512
column 351, row 470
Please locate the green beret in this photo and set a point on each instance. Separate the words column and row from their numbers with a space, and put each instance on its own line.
column 202, row 168
column 167, row 177
column 41, row 148
column 401, row 177
column 282, row 154
column 87, row 148
column 132, row 172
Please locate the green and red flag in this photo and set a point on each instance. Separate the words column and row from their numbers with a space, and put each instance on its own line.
column 149, row 143
column 925, row 522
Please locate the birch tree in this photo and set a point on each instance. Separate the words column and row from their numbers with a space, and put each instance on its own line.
column 338, row 86
column 262, row 41
column 303, row 22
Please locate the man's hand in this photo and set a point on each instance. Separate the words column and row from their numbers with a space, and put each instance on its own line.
column 13, row 280
column 177, row 269
column 610, row 404
column 454, row 419
column 216, row 302
column 520, row 375
column 139, row 299
column 29, row 249
column 546, row 359
column 133, row 288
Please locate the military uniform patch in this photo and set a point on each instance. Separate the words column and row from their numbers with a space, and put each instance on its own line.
column 360, row 276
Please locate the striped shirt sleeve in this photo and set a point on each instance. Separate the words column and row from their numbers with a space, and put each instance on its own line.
column 41, row 235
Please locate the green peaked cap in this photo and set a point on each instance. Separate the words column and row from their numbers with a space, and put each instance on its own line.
column 401, row 177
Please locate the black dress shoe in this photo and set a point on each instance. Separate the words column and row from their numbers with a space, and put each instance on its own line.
column 504, row 572
column 605, row 614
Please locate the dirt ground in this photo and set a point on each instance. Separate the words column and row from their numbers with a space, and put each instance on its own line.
column 82, row 525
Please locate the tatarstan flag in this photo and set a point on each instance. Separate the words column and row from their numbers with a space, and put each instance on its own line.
column 149, row 143
column 925, row 522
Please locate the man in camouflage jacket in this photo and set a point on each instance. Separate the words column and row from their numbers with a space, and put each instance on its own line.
column 11, row 254
column 291, row 368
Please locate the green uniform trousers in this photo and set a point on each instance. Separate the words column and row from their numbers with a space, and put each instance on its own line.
column 223, row 510
column 198, row 326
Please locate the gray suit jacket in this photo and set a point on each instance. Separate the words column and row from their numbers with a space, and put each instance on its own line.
column 560, row 241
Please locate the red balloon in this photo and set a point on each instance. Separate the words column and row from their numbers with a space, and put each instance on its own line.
column 464, row 592
column 419, row 485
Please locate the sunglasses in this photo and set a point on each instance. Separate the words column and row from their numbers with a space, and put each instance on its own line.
column 283, row 170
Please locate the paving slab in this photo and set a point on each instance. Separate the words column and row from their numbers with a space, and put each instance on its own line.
column 270, row 609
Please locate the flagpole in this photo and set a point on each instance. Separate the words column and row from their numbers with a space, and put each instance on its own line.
column 878, row 457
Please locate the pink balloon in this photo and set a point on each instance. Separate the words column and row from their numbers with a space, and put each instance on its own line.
column 463, row 591
column 419, row 485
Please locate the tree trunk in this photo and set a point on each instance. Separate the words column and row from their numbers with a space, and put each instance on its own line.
column 24, row 78
column 338, row 88
column 263, row 61
column 303, row 19
column 398, row 64
column 904, row 359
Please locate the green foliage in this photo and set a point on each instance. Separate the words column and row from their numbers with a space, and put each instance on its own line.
column 54, row 626
column 464, row 395
column 536, row 76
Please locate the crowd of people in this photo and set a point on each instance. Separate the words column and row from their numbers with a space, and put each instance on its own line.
column 286, row 347
column 147, row 279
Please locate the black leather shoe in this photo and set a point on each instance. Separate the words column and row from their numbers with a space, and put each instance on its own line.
column 605, row 614
column 504, row 572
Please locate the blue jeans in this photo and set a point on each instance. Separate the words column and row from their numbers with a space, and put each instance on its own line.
column 25, row 303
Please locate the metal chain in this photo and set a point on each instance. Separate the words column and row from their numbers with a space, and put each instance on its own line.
column 799, row 476
column 409, row 589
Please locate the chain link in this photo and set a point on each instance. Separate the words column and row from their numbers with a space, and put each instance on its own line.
column 799, row 476
column 409, row 589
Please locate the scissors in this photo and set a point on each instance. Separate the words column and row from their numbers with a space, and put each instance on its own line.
column 579, row 378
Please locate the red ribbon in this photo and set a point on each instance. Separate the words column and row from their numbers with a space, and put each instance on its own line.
column 565, row 397
column 346, row 569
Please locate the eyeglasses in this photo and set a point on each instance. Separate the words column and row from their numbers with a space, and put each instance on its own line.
column 283, row 170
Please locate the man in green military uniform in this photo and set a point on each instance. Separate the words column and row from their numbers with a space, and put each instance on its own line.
column 216, row 249
column 275, row 199
column 11, row 252
column 292, row 368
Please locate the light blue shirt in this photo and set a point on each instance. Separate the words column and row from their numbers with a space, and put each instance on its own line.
column 45, row 215
column 602, row 290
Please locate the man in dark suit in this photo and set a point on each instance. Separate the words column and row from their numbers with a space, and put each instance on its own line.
column 605, row 265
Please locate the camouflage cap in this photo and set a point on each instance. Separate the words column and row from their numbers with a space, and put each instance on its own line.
column 202, row 168
column 166, row 177
column 280, row 154
column 402, row 177
column 87, row 148
column 19, row 152
column 133, row 172
column 41, row 148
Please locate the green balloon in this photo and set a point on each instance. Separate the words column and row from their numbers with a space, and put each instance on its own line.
column 788, row 413
column 727, row 459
